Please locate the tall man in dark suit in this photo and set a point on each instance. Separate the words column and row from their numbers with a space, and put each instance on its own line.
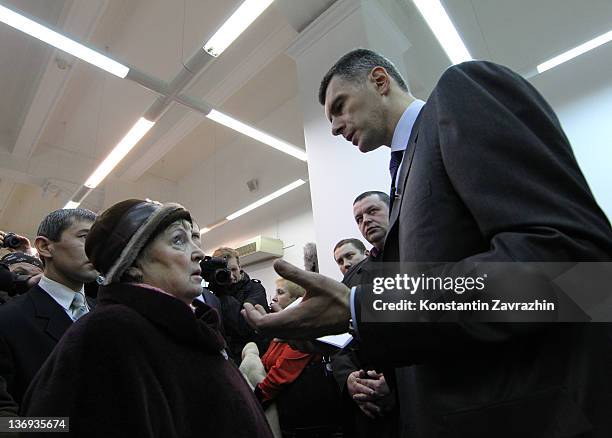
column 32, row 324
column 487, row 175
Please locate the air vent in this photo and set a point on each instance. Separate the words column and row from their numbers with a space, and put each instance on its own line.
column 258, row 249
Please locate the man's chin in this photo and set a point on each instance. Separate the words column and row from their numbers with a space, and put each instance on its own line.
column 365, row 148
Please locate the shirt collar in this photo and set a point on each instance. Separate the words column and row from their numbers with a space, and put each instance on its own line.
column 401, row 135
column 62, row 294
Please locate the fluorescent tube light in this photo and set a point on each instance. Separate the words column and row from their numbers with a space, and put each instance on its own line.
column 256, row 134
column 210, row 227
column 266, row 199
column 140, row 128
column 71, row 204
column 576, row 51
column 248, row 12
column 442, row 27
column 61, row 42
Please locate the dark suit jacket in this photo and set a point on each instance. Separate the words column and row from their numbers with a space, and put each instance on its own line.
column 30, row 326
column 489, row 175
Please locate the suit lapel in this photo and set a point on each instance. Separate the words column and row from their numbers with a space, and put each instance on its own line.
column 46, row 308
column 404, row 171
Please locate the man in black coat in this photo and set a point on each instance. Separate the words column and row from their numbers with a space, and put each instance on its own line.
column 232, row 297
column 487, row 176
column 32, row 324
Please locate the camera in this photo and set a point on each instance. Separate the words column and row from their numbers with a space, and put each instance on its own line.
column 215, row 272
column 11, row 240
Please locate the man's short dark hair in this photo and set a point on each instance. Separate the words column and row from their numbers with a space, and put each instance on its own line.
column 381, row 195
column 355, row 242
column 355, row 66
column 56, row 222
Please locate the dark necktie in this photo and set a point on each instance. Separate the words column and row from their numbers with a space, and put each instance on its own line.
column 394, row 164
column 396, row 160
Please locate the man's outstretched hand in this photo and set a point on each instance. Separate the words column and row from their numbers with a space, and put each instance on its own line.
column 324, row 310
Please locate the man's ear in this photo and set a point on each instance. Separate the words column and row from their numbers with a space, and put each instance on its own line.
column 381, row 80
column 44, row 246
column 367, row 253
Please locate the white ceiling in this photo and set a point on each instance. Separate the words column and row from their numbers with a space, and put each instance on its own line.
column 59, row 117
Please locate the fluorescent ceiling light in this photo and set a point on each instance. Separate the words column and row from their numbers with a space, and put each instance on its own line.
column 248, row 12
column 61, row 42
column 71, row 204
column 266, row 199
column 138, row 131
column 440, row 24
column 576, row 51
column 210, row 227
column 256, row 134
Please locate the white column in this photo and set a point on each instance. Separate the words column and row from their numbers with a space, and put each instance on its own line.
column 338, row 172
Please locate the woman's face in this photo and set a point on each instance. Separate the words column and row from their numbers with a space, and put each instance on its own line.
column 171, row 262
column 282, row 297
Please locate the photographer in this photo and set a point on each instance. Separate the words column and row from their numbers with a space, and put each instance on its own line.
column 236, row 290
column 11, row 242
column 18, row 270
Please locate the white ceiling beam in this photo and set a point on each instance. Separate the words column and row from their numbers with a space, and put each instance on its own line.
column 6, row 190
column 274, row 45
column 82, row 19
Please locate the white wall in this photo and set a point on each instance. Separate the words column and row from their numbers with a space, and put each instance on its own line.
column 580, row 92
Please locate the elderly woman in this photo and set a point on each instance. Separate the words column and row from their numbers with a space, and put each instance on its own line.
column 304, row 391
column 149, row 361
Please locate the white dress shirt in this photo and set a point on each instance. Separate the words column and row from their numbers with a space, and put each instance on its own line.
column 61, row 294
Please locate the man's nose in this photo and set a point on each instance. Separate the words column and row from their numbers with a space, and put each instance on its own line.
column 337, row 127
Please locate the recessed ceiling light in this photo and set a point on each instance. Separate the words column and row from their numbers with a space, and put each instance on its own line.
column 140, row 128
column 442, row 27
column 576, row 51
column 256, row 134
column 71, row 204
column 235, row 25
column 61, row 42
column 266, row 199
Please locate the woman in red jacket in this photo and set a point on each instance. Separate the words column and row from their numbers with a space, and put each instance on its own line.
column 282, row 363
column 298, row 382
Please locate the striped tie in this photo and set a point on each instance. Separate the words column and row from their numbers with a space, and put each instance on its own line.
column 78, row 307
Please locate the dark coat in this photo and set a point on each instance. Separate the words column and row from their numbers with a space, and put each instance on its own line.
column 144, row 365
column 238, row 332
column 30, row 326
column 489, row 175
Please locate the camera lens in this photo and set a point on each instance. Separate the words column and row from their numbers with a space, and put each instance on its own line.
column 223, row 277
column 11, row 241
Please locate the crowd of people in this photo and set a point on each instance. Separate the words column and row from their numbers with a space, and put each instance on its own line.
column 104, row 319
